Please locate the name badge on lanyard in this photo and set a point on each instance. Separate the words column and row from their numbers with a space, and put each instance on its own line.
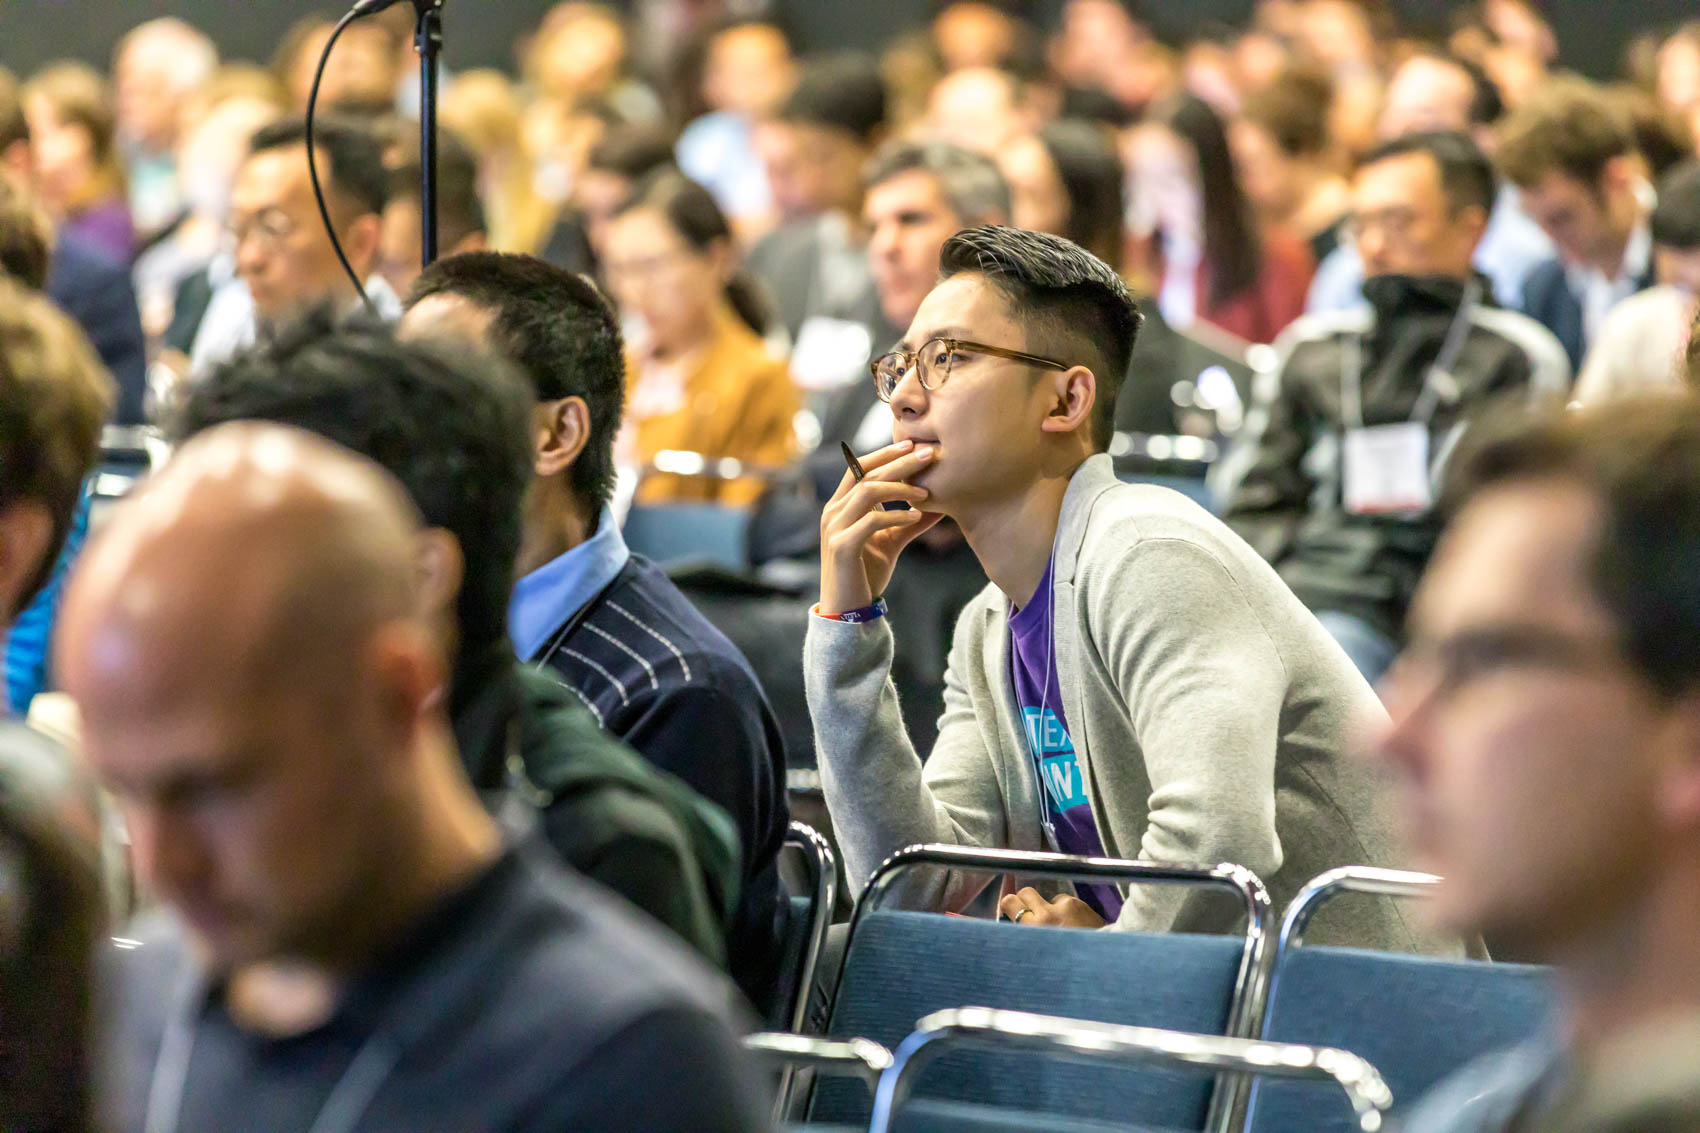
column 1385, row 469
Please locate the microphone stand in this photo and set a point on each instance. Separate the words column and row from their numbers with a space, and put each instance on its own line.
column 428, row 41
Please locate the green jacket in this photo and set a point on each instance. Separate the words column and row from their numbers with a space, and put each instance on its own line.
column 609, row 814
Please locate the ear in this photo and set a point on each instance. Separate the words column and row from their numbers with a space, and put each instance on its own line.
column 563, row 433
column 1678, row 783
column 1074, row 391
column 1475, row 218
column 442, row 569
column 360, row 241
column 26, row 529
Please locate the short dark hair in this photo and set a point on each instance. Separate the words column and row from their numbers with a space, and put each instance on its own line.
column 1640, row 458
column 1466, row 175
column 353, row 155
column 1569, row 127
column 460, row 212
column 631, row 151
column 557, row 328
column 844, row 92
column 1676, row 218
column 970, row 182
column 1076, row 308
column 451, row 426
column 1293, row 110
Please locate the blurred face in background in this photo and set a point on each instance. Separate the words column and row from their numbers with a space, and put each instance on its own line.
column 655, row 274
column 148, row 89
column 282, row 251
column 908, row 221
column 1265, row 171
column 1425, row 94
column 1096, row 40
column 362, row 68
column 212, row 149
column 1037, row 195
column 811, row 168
column 749, row 70
column 1678, row 267
column 970, row 34
column 584, row 53
column 1587, row 223
column 976, row 109
column 1403, row 224
column 65, row 162
column 597, row 195
column 1166, row 197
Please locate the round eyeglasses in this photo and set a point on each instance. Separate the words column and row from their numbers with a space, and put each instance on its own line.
column 934, row 359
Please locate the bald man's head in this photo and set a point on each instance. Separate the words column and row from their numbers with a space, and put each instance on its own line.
column 249, row 645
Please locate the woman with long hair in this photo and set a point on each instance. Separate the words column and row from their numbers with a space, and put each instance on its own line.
column 700, row 378
column 1198, row 245
column 73, row 137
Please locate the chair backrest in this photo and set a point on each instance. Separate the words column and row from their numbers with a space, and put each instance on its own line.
column 678, row 533
column 902, row 965
column 808, row 916
column 1416, row 1018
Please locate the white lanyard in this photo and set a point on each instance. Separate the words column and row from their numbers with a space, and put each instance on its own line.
column 1438, row 382
column 342, row 1109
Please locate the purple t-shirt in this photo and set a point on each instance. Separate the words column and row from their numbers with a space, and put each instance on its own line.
column 1033, row 669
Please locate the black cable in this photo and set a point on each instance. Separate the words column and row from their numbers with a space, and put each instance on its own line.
column 313, row 164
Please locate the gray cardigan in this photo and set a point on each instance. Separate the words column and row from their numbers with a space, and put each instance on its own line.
column 1213, row 718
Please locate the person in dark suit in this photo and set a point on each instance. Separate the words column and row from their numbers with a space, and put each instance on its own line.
column 1574, row 160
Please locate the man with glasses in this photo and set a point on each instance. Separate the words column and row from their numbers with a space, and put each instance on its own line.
column 1546, row 733
column 1331, row 479
column 283, row 260
column 1134, row 682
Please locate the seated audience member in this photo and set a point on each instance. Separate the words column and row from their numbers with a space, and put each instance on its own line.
column 156, row 67
column 915, row 196
column 360, row 75
column 347, row 938
column 1544, row 735
column 1331, row 476
column 615, row 165
column 1288, row 163
column 284, row 260
column 454, row 433
column 610, row 624
column 815, row 265
column 460, row 214
column 77, row 172
column 701, row 380
column 1573, row 159
column 1432, row 91
column 1641, row 342
column 90, row 286
column 1204, row 256
column 747, row 73
column 1172, row 700
column 979, row 108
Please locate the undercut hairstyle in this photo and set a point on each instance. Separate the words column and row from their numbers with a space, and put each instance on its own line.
column 1073, row 307
column 1676, row 218
column 1639, row 458
column 1570, row 128
column 1466, row 175
column 841, row 92
column 560, row 331
column 350, row 156
column 460, row 212
column 969, row 182
column 55, row 396
column 451, row 425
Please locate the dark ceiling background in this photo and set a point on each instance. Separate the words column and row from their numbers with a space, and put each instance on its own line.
column 1593, row 33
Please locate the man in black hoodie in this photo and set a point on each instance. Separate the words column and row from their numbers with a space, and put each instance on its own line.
column 1332, row 478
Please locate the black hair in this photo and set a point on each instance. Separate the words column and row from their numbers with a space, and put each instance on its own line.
column 1676, row 218
column 560, row 331
column 632, row 152
column 1466, row 175
column 452, row 427
column 1091, row 173
column 1232, row 247
column 1075, row 306
column 460, row 212
column 845, row 92
column 692, row 213
column 353, row 160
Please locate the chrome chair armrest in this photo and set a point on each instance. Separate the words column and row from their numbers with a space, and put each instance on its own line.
column 939, row 1032
column 851, row 1058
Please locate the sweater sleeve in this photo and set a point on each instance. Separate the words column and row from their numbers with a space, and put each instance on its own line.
column 1204, row 685
column 880, row 796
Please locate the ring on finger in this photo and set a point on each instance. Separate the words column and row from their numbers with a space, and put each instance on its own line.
column 1016, row 919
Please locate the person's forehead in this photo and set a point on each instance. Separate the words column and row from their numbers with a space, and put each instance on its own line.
column 273, row 178
column 1519, row 553
column 909, row 191
column 965, row 306
column 1409, row 178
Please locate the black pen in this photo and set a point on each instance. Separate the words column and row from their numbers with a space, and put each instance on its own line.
column 859, row 473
